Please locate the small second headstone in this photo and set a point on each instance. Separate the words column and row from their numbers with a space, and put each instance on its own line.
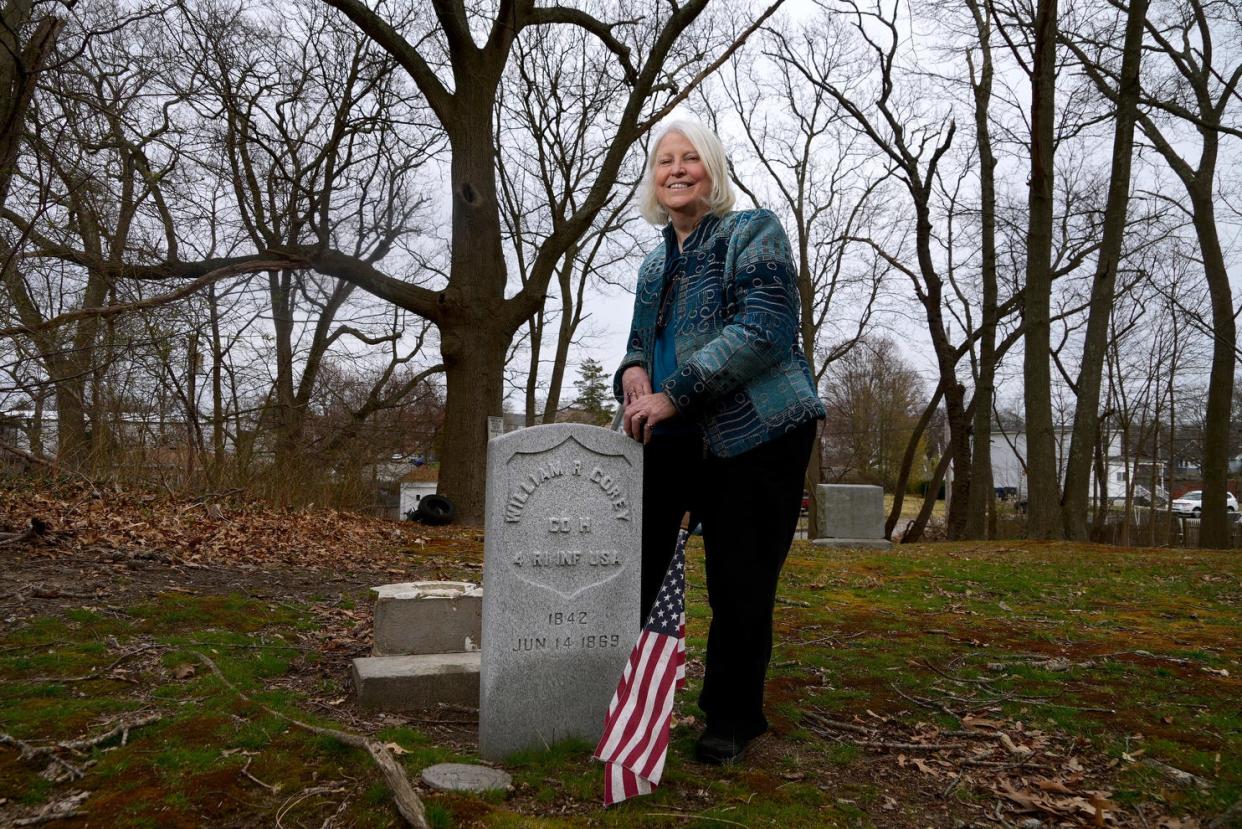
column 850, row 515
column 561, row 573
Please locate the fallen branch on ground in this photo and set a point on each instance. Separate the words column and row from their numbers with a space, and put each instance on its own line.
column 24, row 455
column 271, row 787
column 37, row 528
column 121, row 729
column 408, row 802
column 67, row 807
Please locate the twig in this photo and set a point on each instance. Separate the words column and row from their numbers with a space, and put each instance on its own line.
column 900, row 746
column 408, row 802
column 340, row 810
column 1183, row 778
column 929, row 704
column 684, row 816
column 246, row 774
column 925, row 664
column 290, row 802
column 104, row 674
column 122, row 729
column 37, row 819
column 26, row 456
column 27, row 752
column 837, row 724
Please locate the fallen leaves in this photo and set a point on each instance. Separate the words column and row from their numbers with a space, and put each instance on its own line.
column 1030, row 771
column 128, row 526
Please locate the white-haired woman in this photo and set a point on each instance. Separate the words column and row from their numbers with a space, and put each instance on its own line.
column 715, row 384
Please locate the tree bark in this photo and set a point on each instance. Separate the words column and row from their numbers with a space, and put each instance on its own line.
column 982, row 494
column 1214, row 524
column 907, row 463
column 1043, row 501
column 1086, row 412
column 20, row 65
column 475, row 320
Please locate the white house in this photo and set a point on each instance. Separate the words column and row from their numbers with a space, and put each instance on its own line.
column 1009, row 465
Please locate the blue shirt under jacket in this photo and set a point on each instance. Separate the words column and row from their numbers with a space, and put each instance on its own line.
column 740, row 374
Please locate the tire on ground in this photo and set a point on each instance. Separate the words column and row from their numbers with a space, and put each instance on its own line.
column 435, row 510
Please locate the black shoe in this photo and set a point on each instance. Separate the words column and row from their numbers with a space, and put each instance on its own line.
column 716, row 750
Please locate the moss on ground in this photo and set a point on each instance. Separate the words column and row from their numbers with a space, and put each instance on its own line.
column 1127, row 655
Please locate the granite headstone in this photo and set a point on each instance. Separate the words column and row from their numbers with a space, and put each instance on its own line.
column 561, row 570
column 850, row 515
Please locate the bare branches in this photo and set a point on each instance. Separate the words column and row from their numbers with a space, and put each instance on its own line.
column 184, row 291
column 438, row 97
column 541, row 15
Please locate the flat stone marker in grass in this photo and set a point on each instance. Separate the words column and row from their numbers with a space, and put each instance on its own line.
column 560, row 583
column 464, row 777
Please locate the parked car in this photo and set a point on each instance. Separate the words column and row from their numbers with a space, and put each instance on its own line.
column 1192, row 503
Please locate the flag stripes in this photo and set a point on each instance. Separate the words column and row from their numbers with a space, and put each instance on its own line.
column 634, row 745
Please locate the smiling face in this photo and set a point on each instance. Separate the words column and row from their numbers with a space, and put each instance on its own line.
column 682, row 185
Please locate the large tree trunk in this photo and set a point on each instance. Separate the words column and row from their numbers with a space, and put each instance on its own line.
column 1214, row 526
column 1043, row 506
column 474, row 334
column 1086, row 412
column 20, row 64
column 474, row 380
column 286, row 420
column 981, row 498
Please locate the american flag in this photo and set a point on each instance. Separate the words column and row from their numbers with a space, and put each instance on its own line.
column 635, row 741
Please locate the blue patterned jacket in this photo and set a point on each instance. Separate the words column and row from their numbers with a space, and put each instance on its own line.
column 741, row 375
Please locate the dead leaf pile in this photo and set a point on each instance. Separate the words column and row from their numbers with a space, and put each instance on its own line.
column 1030, row 773
column 135, row 524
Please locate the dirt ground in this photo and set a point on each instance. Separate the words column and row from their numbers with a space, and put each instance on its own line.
column 114, row 550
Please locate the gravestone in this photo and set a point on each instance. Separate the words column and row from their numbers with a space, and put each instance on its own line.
column 850, row 515
column 561, row 570
column 427, row 617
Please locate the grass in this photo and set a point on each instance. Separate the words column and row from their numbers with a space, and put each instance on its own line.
column 910, row 506
column 1125, row 656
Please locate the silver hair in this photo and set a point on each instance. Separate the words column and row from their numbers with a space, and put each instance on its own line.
column 715, row 161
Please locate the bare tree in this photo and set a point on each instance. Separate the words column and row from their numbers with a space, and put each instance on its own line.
column 476, row 320
column 801, row 158
column 1192, row 89
column 548, row 152
column 915, row 147
column 874, row 399
column 1078, row 464
column 1043, row 497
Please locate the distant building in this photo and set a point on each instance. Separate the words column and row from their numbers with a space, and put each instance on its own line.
column 1009, row 466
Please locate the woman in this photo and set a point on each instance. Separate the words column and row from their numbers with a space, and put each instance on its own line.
column 716, row 387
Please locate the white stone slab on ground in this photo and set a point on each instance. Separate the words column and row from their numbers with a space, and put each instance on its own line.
column 408, row 683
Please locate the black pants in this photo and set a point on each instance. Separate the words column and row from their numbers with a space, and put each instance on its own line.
column 749, row 508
